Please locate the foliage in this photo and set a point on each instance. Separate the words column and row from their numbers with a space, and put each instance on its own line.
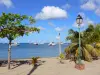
column 92, row 33
column 34, row 60
column 88, row 37
column 61, row 56
column 12, row 26
column 97, row 45
column 73, row 50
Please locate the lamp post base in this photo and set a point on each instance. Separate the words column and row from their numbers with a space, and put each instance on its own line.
column 80, row 66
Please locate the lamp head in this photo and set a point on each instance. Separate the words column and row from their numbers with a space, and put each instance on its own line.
column 79, row 19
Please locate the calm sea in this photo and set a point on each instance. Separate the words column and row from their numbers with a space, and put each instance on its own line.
column 26, row 50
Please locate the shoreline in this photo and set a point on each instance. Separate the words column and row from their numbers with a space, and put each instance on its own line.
column 25, row 58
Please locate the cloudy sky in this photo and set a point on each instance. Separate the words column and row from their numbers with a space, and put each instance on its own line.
column 53, row 16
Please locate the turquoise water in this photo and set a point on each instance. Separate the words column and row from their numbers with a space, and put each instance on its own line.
column 26, row 50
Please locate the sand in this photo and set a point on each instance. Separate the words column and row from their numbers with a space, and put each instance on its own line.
column 51, row 66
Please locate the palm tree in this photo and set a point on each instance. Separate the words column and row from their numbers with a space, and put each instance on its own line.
column 88, row 37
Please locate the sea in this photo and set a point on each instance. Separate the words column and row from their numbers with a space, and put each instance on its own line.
column 26, row 50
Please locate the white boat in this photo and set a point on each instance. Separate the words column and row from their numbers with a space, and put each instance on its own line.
column 15, row 44
column 35, row 43
column 61, row 43
column 51, row 44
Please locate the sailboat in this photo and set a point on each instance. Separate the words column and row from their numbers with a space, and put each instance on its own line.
column 61, row 43
column 51, row 44
column 35, row 43
column 15, row 44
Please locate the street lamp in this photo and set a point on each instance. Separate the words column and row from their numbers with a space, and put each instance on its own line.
column 79, row 21
column 59, row 45
column 59, row 42
column 79, row 65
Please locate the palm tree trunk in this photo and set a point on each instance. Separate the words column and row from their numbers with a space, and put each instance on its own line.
column 9, row 54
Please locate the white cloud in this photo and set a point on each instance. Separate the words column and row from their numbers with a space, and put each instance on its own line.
column 57, row 37
column 51, row 24
column 86, row 20
column 64, row 27
column 90, row 5
column 7, row 3
column 98, row 11
column 51, row 12
column 97, row 1
column 83, row 1
column 76, row 25
column 82, row 14
column 58, row 29
column 66, row 6
column 41, row 28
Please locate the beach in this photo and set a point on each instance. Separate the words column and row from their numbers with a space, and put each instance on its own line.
column 50, row 37
column 52, row 66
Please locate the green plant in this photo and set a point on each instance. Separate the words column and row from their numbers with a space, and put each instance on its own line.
column 12, row 26
column 62, row 56
column 34, row 60
column 88, row 37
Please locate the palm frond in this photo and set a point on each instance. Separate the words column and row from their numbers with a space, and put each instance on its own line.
column 87, row 56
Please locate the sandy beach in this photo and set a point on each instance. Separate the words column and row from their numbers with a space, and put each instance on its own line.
column 51, row 66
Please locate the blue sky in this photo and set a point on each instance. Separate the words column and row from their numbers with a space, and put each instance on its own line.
column 53, row 16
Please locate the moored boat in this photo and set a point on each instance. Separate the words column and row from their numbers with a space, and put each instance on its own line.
column 51, row 44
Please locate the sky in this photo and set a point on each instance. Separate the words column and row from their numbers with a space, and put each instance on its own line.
column 53, row 16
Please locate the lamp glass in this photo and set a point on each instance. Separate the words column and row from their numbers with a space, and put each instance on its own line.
column 79, row 20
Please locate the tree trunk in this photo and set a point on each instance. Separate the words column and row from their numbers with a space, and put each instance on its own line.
column 9, row 54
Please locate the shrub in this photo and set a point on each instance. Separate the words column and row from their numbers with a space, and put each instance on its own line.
column 34, row 60
column 61, row 56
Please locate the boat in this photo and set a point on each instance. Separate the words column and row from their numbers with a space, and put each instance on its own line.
column 51, row 44
column 35, row 43
column 15, row 44
column 60, row 43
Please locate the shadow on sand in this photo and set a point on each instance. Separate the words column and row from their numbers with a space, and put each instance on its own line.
column 16, row 66
column 35, row 67
column 18, row 63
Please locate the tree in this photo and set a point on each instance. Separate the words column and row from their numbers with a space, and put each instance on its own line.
column 88, row 37
column 13, row 26
column 92, row 33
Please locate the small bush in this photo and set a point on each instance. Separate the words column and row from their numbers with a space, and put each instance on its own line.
column 34, row 60
column 62, row 56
